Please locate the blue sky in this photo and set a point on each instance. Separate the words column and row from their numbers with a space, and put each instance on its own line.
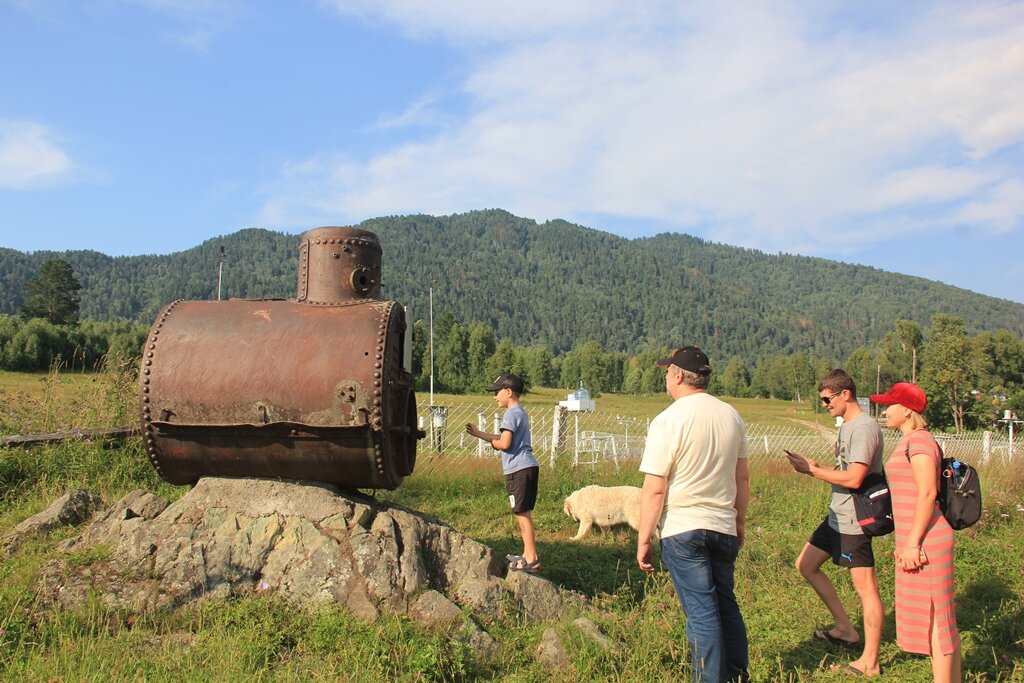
column 887, row 134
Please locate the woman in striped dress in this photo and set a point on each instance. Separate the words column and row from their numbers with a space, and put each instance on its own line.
column 925, row 612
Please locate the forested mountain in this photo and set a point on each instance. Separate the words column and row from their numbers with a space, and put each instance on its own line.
column 553, row 284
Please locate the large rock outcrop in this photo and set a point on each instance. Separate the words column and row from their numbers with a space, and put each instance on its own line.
column 308, row 542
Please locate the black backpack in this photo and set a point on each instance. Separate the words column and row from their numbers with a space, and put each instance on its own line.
column 959, row 492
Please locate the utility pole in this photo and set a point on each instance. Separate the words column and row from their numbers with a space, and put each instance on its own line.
column 878, row 386
column 431, row 346
column 220, row 269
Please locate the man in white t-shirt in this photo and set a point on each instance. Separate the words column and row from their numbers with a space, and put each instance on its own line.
column 696, row 489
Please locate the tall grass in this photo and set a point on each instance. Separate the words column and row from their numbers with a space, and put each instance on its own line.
column 32, row 403
column 262, row 638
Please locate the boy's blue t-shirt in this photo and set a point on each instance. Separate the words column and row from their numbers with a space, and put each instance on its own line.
column 519, row 456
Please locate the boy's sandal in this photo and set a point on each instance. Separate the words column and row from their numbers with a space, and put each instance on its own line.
column 513, row 558
column 521, row 565
column 853, row 671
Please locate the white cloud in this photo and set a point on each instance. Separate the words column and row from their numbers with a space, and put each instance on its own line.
column 463, row 21
column 29, row 156
column 1000, row 209
column 423, row 112
column 774, row 124
column 191, row 24
column 199, row 22
column 925, row 185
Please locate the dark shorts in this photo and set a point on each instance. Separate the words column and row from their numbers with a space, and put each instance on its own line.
column 847, row 550
column 522, row 489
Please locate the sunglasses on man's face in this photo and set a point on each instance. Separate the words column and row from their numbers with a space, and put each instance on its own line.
column 827, row 400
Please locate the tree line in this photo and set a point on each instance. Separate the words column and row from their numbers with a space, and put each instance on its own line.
column 47, row 331
column 570, row 304
column 970, row 379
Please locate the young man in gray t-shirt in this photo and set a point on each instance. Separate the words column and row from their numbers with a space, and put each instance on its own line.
column 839, row 537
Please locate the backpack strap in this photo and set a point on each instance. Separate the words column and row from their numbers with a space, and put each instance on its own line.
column 938, row 474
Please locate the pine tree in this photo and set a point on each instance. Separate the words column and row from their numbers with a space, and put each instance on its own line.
column 52, row 294
column 735, row 379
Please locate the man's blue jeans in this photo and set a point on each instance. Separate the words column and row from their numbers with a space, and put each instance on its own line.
column 701, row 564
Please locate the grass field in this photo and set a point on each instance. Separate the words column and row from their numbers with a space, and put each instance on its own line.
column 37, row 402
column 261, row 638
column 753, row 410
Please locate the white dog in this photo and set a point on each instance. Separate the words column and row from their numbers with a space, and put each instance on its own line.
column 604, row 506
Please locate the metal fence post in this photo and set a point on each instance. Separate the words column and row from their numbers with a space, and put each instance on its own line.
column 480, row 445
column 558, row 429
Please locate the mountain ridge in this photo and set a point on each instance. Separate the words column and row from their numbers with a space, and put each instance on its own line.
column 555, row 284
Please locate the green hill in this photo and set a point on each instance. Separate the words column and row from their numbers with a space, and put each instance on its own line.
column 554, row 284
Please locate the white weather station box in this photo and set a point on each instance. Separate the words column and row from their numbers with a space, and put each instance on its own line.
column 578, row 400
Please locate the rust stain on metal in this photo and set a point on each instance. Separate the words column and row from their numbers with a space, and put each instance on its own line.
column 310, row 388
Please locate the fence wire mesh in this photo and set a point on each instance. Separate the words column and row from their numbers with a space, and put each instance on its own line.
column 592, row 437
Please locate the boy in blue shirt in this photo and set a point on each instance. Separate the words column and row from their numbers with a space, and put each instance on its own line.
column 518, row 464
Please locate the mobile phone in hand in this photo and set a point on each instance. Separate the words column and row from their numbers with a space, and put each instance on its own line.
column 798, row 462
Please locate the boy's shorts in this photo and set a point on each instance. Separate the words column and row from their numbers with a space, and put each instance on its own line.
column 522, row 489
column 847, row 550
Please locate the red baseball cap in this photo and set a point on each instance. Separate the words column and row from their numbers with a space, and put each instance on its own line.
column 904, row 393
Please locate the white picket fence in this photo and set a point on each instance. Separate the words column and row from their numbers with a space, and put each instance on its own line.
column 592, row 437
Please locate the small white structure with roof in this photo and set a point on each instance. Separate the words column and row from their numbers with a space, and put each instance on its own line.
column 588, row 446
column 578, row 400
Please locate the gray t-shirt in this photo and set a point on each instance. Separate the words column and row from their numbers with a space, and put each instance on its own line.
column 519, row 456
column 860, row 440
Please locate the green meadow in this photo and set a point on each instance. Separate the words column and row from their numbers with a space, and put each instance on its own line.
column 260, row 638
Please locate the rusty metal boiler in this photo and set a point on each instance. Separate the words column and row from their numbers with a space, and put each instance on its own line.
column 317, row 388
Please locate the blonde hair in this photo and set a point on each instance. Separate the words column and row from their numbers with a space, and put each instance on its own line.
column 915, row 419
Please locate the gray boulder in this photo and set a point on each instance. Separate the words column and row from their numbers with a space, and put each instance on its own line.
column 434, row 610
column 71, row 509
column 593, row 634
column 307, row 542
column 551, row 652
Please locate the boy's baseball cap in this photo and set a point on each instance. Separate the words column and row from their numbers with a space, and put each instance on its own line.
column 904, row 393
column 507, row 381
column 688, row 358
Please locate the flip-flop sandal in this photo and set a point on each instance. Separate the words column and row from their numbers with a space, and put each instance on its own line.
column 521, row 565
column 823, row 634
column 851, row 670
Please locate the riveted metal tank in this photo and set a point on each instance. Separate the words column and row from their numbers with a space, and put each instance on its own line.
column 313, row 388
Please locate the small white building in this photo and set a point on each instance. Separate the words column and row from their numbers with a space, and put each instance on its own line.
column 578, row 400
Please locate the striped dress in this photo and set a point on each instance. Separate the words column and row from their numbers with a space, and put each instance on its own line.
column 929, row 590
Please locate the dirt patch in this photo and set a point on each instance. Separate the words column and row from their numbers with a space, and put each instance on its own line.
column 819, row 428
